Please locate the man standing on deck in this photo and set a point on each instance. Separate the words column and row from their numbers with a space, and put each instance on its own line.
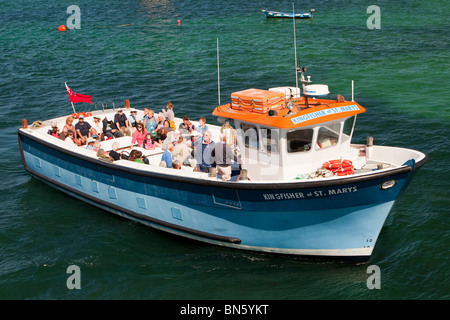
column 202, row 152
column 223, row 155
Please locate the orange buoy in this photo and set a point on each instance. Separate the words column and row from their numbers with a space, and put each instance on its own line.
column 179, row 22
column 62, row 28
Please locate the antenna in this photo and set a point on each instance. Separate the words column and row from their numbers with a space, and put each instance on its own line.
column 218, row 71
column 353, row 90
column 295, row 48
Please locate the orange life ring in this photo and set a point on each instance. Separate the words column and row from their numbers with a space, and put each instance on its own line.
column 336, row 164
column 78, row 114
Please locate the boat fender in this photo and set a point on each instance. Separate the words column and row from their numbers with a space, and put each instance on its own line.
column 78, row 114
column 336, row 164
column 37, row 124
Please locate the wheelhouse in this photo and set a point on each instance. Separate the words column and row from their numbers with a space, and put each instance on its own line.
column 293, row 139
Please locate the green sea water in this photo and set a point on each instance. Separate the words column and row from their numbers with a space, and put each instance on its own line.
column 136, row 50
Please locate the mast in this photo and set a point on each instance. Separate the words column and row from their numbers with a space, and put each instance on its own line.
column 295, row 48
column 218, row 71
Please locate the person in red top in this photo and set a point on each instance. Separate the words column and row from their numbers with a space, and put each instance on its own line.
column 139, row 135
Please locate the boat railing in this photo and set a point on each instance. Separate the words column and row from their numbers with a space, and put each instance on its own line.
column 108, row 102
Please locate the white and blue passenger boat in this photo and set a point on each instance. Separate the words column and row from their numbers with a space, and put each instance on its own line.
column 302, row 188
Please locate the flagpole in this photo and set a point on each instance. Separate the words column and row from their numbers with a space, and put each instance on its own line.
column 73, row 107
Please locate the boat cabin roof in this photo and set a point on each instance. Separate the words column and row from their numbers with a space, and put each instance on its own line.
column 276, row 111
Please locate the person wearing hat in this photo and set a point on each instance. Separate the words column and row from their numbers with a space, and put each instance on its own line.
column 82, row 129
column 52, row 130
column 98, row 127
column 97, row 145
column 90, row 143
column 133, row 118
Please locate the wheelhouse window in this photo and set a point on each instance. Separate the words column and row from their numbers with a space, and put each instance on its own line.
column 269, row 139
column 250, row 134
column 348, row 128
column 299, row 140
column 328, row 136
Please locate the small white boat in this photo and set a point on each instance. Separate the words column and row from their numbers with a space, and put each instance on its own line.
column 288, row 15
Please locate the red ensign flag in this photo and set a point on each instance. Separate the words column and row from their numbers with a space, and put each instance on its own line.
column 78, row 97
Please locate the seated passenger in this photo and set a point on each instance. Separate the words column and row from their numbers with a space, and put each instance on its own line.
column 190, row 127
column 98, row 127
column 110, row 130
column 181, row 152
column 70, row 127
column 54, row 125
column 184, row 126
column 172, row 137
column 90, row 144
column 145, row 116
column 160, row 137
column 64, row 134
column 70, row 137
column 148, row 142
column 136, row 156
column 55, row 132
column 167, row 155
column 93, row 133
column 97, row 145
column 139, row 135
column 149, row 121
column 167, row 127
column 202, row 127
column 113, row 153
column 121, row 122
column 132, row 118
column 83, row 128
column 176, row 164
column 169, row 114
column 230, row 132
column 160, row 120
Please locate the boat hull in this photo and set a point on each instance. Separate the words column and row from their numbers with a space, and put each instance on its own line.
column 334, row 219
